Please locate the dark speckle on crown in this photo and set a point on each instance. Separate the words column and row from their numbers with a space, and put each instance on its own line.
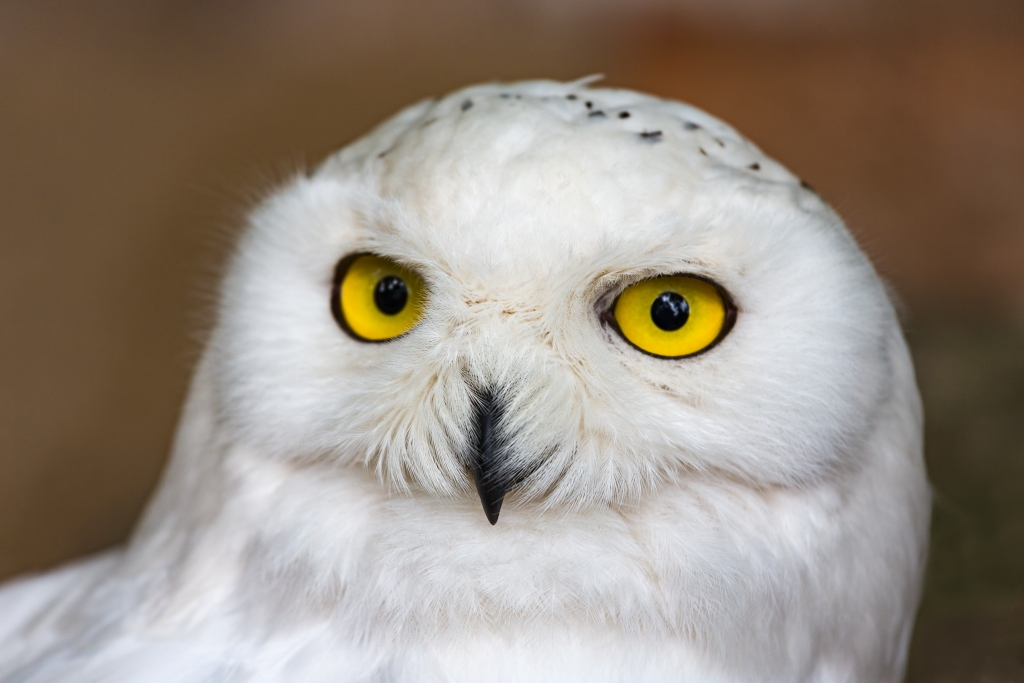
column 603, row 113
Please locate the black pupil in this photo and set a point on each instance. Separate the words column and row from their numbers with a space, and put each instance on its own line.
column 670, row 311
column 390, row 295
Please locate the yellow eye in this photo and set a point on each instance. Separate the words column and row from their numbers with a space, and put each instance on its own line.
column 375, row 299
column 672, row 316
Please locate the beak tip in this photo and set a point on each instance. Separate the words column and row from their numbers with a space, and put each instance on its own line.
column 492, row 516
column 491, row 503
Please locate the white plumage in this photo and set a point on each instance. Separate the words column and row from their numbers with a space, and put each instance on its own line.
column 757, row 512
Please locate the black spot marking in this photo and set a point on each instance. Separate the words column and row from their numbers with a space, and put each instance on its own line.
column 589, row 104
column 570, row 96
column 505, row 95
column 623, row 114
column 651, row 135
column 467, row 104
column 690, row 125
column 702, row 151
column 720, row 143
column 755, row 166
column 807, row 186
column 597, row 113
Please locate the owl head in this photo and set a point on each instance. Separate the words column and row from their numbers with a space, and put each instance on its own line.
column 567, row 295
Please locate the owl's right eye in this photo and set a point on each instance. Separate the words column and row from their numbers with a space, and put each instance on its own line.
column 673, row 316
column 375, row 299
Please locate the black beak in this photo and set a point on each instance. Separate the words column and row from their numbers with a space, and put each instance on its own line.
column 490, row 484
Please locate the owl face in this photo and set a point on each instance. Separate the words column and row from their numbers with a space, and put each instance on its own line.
column 571, row 295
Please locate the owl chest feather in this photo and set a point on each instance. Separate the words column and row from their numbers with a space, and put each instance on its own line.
column 705, row 568
column 700, row 557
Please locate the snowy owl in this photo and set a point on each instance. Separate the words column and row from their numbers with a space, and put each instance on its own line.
column 656, row 360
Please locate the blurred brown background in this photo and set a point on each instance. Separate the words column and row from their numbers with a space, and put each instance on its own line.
column 133, row 135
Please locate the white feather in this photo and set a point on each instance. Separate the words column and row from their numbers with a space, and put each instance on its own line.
column 757, row 512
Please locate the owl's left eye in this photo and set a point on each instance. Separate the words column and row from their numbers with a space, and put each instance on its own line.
column 376, row 299
column 673, row 316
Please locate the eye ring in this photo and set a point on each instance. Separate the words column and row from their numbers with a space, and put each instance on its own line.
column 374, row 299
column 730, row 312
